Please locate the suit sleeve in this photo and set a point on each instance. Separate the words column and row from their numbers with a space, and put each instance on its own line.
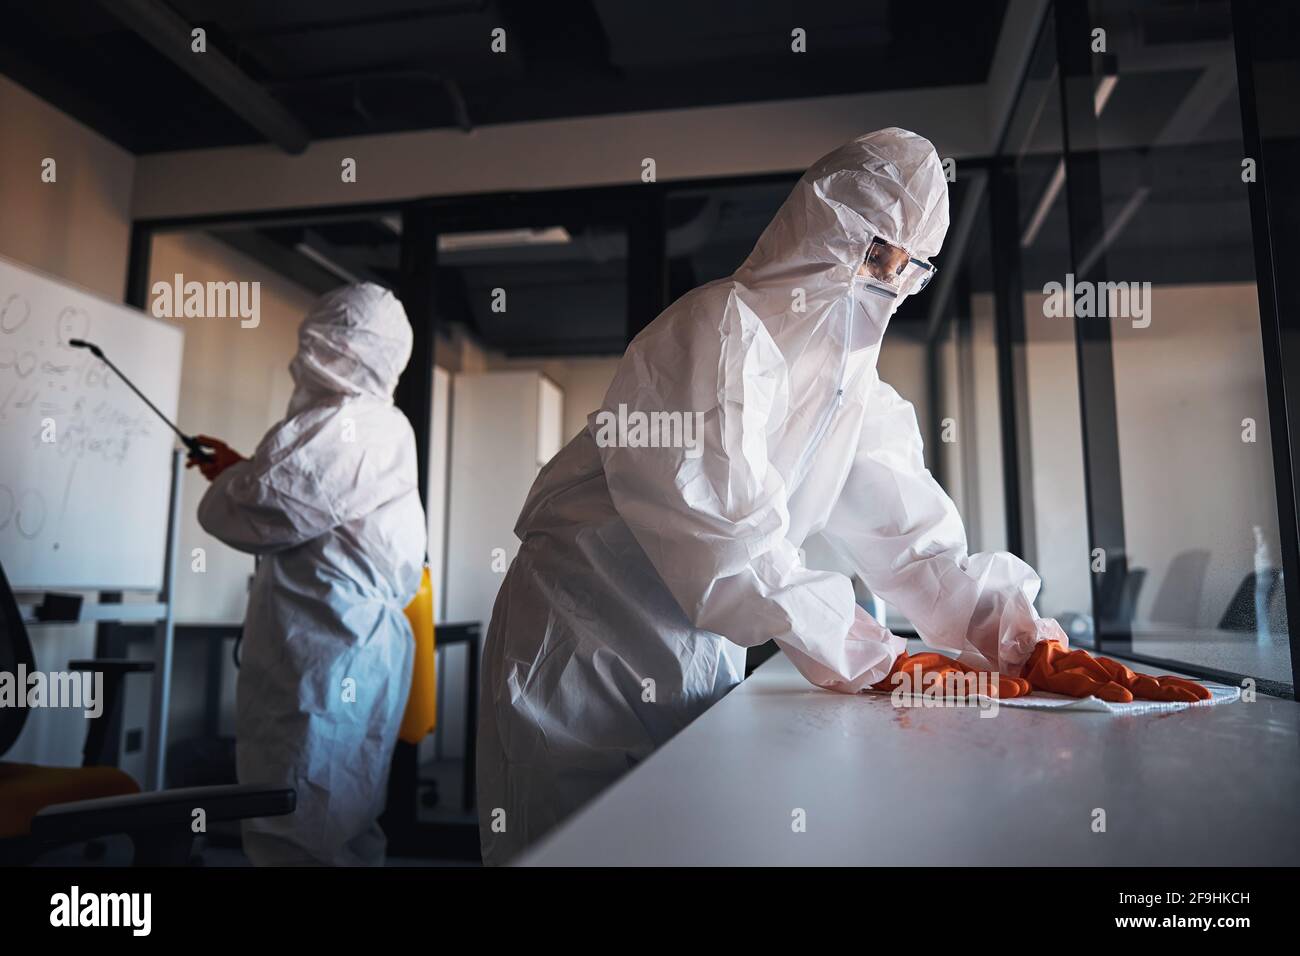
column 712, row 517
column 904, row 536
column 311, row 473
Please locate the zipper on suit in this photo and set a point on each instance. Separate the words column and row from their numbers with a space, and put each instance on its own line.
column 839, row 396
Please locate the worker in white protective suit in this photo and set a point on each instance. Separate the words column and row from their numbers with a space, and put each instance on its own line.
column 329, row 503
column 646, row 571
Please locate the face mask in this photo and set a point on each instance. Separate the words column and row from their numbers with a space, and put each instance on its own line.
column 872, row 309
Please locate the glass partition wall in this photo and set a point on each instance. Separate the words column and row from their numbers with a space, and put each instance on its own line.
column 1133, row 401
column 1195, row 464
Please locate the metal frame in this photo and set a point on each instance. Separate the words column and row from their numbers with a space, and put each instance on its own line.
column 647, row 242
column 934, row 398
column 968, row 424
column 417, row 290
column 1103, row 489
column 1013, row 375
column 165, row 639
column 1274, row 214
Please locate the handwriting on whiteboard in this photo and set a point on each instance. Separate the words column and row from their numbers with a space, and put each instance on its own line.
column 62, row 402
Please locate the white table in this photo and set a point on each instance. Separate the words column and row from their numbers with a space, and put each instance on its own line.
column 880, row 785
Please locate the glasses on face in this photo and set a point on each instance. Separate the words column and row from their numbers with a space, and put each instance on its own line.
column 894, row 266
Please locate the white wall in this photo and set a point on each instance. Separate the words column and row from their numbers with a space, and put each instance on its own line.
column 1060, row 543
column 972, row 462
column 76, row 228
column 493, row 464
column 583, row 380
column 501, row 435
column 235, row 384
column 731, row 140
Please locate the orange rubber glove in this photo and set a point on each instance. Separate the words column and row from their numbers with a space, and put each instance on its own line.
column 1078, row 674
column 920, row 666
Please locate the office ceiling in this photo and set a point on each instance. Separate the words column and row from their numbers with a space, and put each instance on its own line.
column 348, row 67
column 568, row 297
column 344, row 67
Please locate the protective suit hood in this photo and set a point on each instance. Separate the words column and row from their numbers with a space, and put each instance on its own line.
column 799, row 279
column 889, row 183
column 354, row 342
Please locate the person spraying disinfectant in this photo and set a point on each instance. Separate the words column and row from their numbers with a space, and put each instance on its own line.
column 329, row 502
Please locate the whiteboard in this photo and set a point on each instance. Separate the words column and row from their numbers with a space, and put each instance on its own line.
column 85, row 466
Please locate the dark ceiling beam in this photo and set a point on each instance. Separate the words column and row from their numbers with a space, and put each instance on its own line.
column 169, row 34
column 1017, row 39
column 356, row 81
column 278, row 258
column 337, row 259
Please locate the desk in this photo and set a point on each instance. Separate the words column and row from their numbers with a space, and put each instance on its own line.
column 881, row 785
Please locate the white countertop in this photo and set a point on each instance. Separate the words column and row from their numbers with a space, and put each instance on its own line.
column 923, row 786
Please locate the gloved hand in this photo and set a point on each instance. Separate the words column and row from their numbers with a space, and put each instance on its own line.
column 222, row 457
column 920, row 666
column 1078, row 674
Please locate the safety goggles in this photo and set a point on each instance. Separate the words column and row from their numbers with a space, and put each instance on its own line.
column 894, row 268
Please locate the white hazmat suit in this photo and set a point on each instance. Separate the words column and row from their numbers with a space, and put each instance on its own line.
column 329, row 502
column 644, row 572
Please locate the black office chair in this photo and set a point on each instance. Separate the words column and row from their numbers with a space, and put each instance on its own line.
column 42, row 808
column 1240, row 612
column 1117, row 597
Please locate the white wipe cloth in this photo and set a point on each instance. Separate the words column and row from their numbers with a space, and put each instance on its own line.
column 1041, row 700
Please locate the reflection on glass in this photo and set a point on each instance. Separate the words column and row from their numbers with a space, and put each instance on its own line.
column 1196, row 468
column 968, row 455
column 989, row 511
column 1052, row 493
